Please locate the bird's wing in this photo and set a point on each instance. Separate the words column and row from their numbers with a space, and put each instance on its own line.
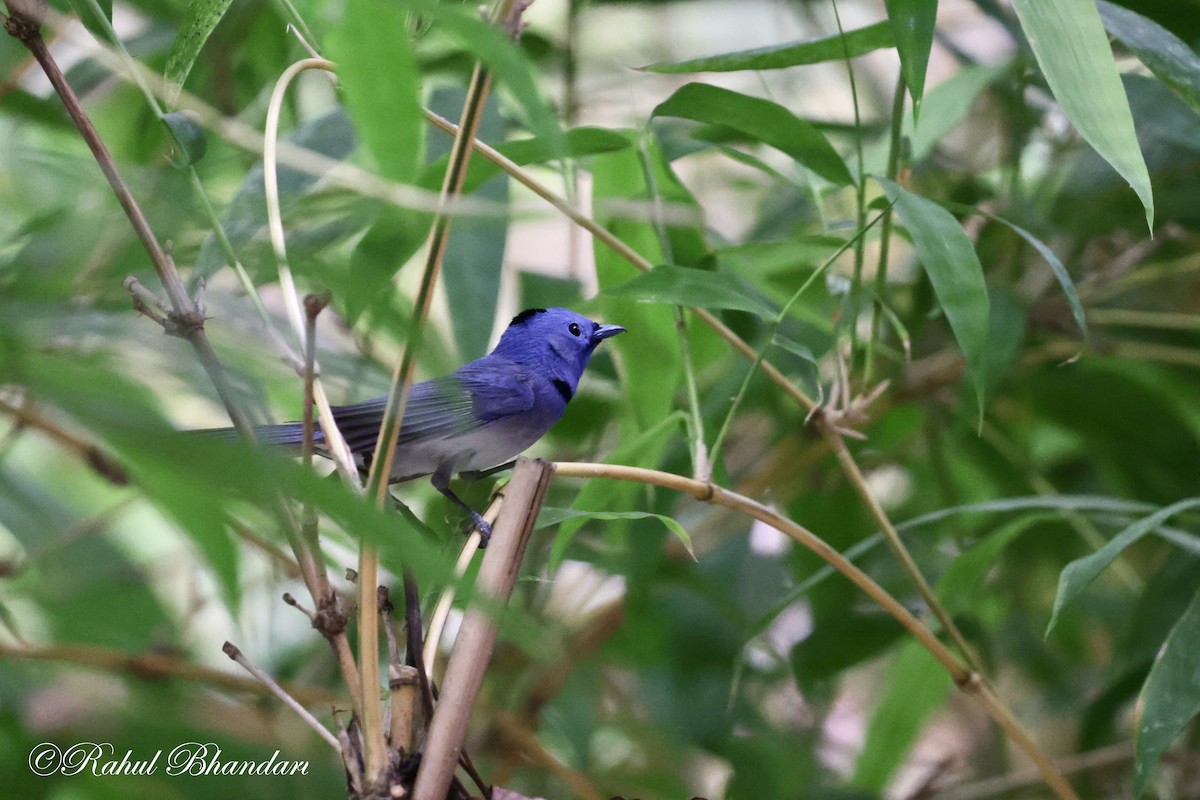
column 456, row 404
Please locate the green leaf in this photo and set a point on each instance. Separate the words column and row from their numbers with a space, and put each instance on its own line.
column 384, row 101
column 1060, row 272
column 683, row 286
column 761, row 120
column 96, row 16
column 189, row 136
column 962, row 580
column 915, row 687
column 1077, row 575
column 1072, row 49
column 946, row 253
column 1164, row 53
column 912, row 26
column 579, row 142
column 198, row 24
column 549, row 517
column 808, row 51
column 1170, row 697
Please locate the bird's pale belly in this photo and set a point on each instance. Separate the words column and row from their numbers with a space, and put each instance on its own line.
column 480, row 449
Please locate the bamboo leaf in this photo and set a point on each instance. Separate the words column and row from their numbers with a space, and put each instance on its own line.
column 199, row 22
column 912, row 24
column 549, row 517
column 1079, row 574
column 683, row 286
column 914, row 690
column 1164, row 53
column 808, row 51
column 762, row 120
column 385, row 104
column 1071, row 47
column 1171, row 695
column 948, row 257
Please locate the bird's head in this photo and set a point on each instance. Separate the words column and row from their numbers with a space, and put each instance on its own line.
column 555, row 339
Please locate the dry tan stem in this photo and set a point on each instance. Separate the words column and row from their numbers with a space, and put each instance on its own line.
column 156, row 666
column 477, row 636
column 26, row 417
column 892, row 537
column 235, row 654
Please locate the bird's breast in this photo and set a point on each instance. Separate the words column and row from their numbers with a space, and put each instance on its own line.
column 486, row 446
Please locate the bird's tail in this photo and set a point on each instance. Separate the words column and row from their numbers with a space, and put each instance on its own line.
column 289, row 434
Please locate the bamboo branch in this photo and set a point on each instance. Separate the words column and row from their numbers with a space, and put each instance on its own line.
column 477, row 636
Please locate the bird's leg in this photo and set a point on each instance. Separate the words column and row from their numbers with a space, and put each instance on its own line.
column 441, row 482
column 480, row 474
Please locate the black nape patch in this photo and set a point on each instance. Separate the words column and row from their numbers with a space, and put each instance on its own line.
column 564, row 389
column 526, row 314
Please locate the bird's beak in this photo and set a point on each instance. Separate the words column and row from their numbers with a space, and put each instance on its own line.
column 605, row 331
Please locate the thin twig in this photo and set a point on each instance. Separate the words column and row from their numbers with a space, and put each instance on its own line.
column 1113, row 754
column 157, row 666
column 25, row 416
column 335, row 443
column 850, row 467
column 235, row 654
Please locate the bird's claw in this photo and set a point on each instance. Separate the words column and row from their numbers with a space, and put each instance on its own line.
column 485, row 530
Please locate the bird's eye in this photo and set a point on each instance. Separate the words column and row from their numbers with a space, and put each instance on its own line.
column 573, row 328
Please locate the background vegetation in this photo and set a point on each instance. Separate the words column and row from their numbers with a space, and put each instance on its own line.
column 931, row 279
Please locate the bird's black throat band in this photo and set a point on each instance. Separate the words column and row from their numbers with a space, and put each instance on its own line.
column 564, row 389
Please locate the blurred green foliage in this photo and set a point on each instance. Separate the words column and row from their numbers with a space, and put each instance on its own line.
column 1051, row 451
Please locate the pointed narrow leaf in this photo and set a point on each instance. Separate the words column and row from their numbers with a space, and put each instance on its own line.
column 96, row 16
column 384, row 103
column 946, row 253
column 683, row 286
column 762, row 120
column 808, row 51
column 1171, row 696
column 1164, row 53
column 912, row 24
column 549, row 517
column 1072, row 49
column 189, row 136
column 198, row 24
column 1060, row 272
column 1077, row 575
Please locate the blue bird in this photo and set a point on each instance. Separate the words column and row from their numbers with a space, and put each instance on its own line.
column 485, row 413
